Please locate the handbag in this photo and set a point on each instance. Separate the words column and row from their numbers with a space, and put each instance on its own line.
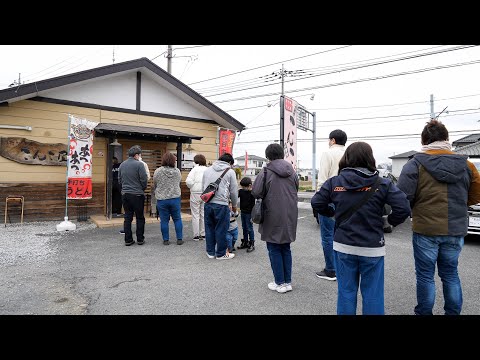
column 258, row 209
column 212, row 188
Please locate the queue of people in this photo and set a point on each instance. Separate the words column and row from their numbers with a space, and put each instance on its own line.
column 349, row 203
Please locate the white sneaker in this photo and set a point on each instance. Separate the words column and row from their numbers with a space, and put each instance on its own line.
column 227, row 256
column 288, row 286
column 210, row 256
column 278, row 288
column 272, row 286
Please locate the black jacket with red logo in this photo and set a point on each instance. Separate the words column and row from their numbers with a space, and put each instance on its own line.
column 362, row 233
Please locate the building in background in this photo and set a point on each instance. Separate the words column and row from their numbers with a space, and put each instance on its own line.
column 133, row 102
column 398, row 161
column 466, row 140
column 254, row 165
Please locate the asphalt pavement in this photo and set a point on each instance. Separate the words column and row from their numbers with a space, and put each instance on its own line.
column 91, row 271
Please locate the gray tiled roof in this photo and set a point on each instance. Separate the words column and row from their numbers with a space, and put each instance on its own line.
column 403, row 155
column 251, row 157
column 469, row 139
column 470, row 150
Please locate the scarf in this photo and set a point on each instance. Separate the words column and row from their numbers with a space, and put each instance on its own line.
column 437, row 145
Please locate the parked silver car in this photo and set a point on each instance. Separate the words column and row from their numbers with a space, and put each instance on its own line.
column 474, row 210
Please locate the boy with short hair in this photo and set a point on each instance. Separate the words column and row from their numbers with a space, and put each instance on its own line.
column 246, row 205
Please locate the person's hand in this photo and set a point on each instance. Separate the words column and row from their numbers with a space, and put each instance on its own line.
column 234, row 209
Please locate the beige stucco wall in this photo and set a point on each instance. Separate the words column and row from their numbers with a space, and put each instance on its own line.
column 50, row 122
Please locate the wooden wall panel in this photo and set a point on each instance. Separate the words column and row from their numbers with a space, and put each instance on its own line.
column 47, row 201
column 50, row 122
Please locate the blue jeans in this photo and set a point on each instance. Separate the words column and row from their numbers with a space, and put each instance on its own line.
column 232, row 236
column 327, row 230
column 217, row 221
column 281, row 261
column 352, row 270
column 443, row 251
column 247, row 227
column 168, row 207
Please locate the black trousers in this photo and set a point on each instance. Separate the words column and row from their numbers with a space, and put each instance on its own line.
column 116, row 198
column 133, row 204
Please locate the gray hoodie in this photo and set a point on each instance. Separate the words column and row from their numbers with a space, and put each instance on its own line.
column 228, row 186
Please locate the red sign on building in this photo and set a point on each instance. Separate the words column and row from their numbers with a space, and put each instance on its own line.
column 226, row 137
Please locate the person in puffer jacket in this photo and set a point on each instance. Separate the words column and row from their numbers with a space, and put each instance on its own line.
column 194, row 183
column 359, row 243
column 440, row 185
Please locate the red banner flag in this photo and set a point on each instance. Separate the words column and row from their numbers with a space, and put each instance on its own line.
column 226, row 137
column 80, row 155
column 246, row 162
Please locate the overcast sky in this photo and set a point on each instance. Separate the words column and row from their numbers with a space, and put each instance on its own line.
column 388, row 111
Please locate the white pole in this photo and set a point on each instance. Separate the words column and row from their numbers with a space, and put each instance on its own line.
column 67, row 225
column 314, row 152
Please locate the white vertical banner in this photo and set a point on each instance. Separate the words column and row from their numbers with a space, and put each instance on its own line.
column 80, row 155
column 290, row 131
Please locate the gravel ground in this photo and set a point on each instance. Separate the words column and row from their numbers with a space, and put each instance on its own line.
column 28, row 243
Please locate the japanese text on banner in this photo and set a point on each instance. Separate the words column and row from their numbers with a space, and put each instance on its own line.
column 80, row 158
column 226, row 137
column 290, row 131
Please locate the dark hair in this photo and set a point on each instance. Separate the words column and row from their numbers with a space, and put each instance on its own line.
column 434, row 130
column 114, row 158
column 200, row 160
column 134, row 150
column 358, row 154
column 274, row 152
column 227, row 157
column 339, row 135
column 246, row 181
column 168, row 159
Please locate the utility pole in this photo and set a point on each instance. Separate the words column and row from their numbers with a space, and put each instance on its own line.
column 169, row 59
column 432, row 113
column 282, row 77
column 314, row 154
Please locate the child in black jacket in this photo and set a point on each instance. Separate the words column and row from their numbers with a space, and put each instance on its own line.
column 246, row 205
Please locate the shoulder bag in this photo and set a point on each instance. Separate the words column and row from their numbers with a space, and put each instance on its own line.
column 258, row 209
column 358, row 205
column 212, row 188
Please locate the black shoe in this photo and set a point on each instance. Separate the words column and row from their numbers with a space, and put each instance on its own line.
column 121, row 232
column 130, row 243
column 179, row 242
column 243, row 245
column 251, row 246
column 166, row 242
column 141, row 242
column 327, row 275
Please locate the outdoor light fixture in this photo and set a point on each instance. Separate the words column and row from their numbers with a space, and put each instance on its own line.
column 115, row 143
column 189, row 149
